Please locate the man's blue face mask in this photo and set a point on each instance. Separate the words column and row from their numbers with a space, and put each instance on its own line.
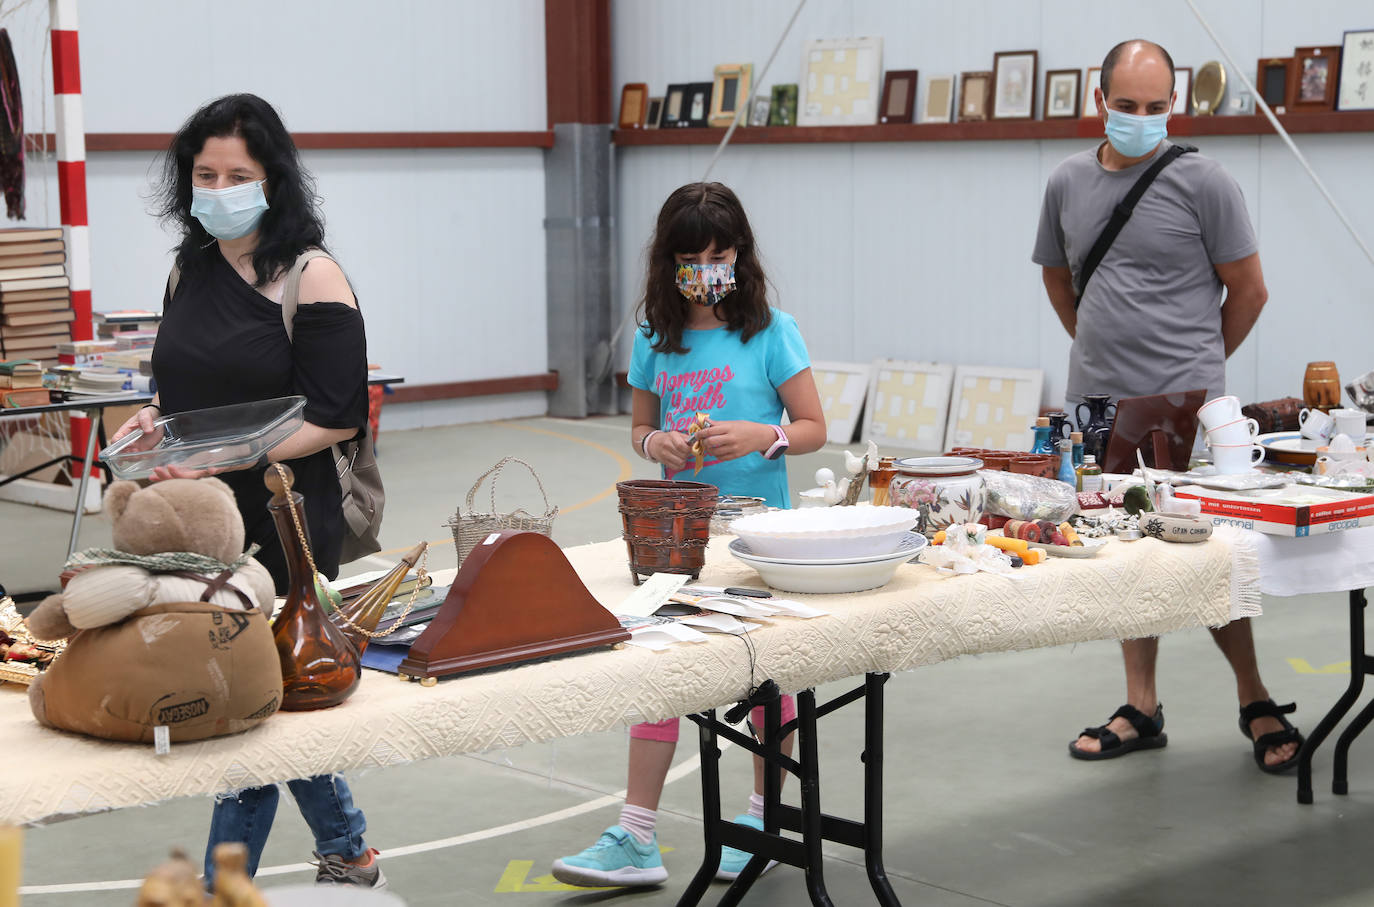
column 1136, row 136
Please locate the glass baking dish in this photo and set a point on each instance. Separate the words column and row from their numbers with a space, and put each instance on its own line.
column 222, row 437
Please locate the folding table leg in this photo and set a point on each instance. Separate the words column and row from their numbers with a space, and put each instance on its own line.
column 710, row 812
column 811, row 798
column 873, row 790
column 1332, row 718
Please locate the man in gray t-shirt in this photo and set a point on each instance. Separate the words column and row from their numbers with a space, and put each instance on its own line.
column 1153, row 320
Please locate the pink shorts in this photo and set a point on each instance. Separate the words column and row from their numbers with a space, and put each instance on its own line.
column 667, row 730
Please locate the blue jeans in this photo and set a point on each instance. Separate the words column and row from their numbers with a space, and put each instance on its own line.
column 325, row 803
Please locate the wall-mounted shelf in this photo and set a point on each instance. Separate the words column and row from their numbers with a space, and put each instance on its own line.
column 158, row 141
column 993, row 130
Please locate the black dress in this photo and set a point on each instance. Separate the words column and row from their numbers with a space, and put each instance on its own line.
column 223, row 342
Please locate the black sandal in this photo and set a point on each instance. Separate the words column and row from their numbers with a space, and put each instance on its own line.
column 1150, row 731
column 1265, row 708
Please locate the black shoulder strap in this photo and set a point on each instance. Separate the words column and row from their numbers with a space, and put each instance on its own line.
column 1121, row 214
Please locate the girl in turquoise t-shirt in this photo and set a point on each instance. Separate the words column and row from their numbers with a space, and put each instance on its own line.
column 710, row 344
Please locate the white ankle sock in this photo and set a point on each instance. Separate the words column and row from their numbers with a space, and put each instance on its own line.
column 756, row 805
column 639, row 822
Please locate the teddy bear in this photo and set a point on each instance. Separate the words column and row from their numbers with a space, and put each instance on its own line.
column 167, row 629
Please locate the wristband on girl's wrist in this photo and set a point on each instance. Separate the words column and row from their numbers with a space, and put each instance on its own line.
column 644, row 445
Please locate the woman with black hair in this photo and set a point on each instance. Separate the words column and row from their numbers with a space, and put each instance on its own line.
column 234, row 187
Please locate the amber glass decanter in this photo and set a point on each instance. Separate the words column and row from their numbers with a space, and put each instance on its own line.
column 319, row 664
column 359, row 618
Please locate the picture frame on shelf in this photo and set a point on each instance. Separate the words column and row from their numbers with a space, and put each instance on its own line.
column 993, row 407
column 1209, row 88
column 907, row 405
column 843, row 388
column 673, row 106
column 1091, row 82
column 899, row 96
column 634, row 98
column 1183, row 90
column 1238, row 103
column 937, row 100
column 1272, row 80
column 1356, row 88
column 1313, row 80
column 732, row 86
column 782, row 107
column 696, row 106
column 975, row 96
column 1015, row 73
column 759, row 110
column 841, row 81
column 654, row 114
column 1061, row 93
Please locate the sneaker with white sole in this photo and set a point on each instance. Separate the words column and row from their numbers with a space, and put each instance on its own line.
column 617, row 858
column 733, row 860
column 333, row 869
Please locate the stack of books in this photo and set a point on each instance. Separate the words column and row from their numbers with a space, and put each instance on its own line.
column 35, row 301
column 112, row 324
column 16, row 373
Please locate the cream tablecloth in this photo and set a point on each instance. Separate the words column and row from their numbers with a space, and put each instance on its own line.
column 1129, row 590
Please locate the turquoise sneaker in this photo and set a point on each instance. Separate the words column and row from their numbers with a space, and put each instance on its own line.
column 615, row 859
column 733, row 860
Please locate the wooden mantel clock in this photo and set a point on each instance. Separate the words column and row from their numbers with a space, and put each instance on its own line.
column 516, row 598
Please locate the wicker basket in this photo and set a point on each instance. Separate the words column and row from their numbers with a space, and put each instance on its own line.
column 470, row 527
column 667, row 525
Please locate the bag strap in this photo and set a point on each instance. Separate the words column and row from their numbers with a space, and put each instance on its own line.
column 495, row 473
column 1122, row 213
column 291, row 294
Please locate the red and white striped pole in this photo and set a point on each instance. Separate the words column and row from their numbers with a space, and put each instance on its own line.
column 71, row 160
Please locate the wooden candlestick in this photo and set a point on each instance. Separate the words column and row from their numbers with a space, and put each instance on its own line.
column 516, row 598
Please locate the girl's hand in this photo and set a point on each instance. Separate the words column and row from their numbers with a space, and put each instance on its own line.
column 161, row 473
column 671, row 449
column 735, row 439
column 144, row 419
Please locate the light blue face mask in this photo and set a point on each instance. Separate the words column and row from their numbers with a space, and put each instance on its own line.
column 1136, row 136
column 229, row 213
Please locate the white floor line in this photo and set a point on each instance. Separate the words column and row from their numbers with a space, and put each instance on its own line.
column 686, row 767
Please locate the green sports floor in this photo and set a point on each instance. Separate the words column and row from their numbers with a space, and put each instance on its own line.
column 983, row 804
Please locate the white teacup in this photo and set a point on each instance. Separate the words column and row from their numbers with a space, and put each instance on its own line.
column 1241, row 431
column 1232, row 459
column 1316, row 425
column 1349, row 422
column 1218, row 411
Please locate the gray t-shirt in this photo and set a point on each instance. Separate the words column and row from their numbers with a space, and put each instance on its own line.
column 1150, row 321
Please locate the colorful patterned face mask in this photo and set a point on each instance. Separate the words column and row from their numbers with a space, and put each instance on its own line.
column 706, row 284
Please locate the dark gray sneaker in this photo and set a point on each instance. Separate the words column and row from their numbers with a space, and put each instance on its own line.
column 335, row 870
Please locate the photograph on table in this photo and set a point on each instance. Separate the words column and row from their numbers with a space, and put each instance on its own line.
column 1014, row 75
column 782, row 108
column 899, row 96
column 841, row 79
column 759, row 110
column 975, row 94
column 907, row 404
column 994, row 407
column 937, row 101
column 1061, row 93
column 1183, row 90
column 1272, row 82
column 1316, row 70
column 696, row 105
column 843, row 386
column 1356, row 89
column 731, row 88
column 673, row 103
column 655, row 112
column 1091, row 83
column 633, row 104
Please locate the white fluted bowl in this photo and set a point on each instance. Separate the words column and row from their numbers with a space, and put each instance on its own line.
column 825, row 532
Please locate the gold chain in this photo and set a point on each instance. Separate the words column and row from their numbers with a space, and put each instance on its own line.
column 300, row 534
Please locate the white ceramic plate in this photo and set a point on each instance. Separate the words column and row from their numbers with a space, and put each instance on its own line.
column 828, row 532
column 910, row 543
column 826, row 578
column 1292, row 448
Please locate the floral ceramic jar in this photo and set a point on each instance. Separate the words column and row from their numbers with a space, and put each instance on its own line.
column 946, row 490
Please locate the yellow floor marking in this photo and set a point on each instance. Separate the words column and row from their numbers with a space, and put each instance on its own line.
column 626, row 471
column 1301, row 666
column 513, row 880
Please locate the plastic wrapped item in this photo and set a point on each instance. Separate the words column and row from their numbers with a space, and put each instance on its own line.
column 965, row 552
column 1023, row 497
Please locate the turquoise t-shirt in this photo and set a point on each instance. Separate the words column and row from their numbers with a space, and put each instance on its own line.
column 727, row 379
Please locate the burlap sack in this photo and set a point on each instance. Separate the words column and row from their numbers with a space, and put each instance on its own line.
column 199, row 669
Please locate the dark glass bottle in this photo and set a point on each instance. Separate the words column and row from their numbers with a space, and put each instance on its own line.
column 319, row 665
column 360, row 617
